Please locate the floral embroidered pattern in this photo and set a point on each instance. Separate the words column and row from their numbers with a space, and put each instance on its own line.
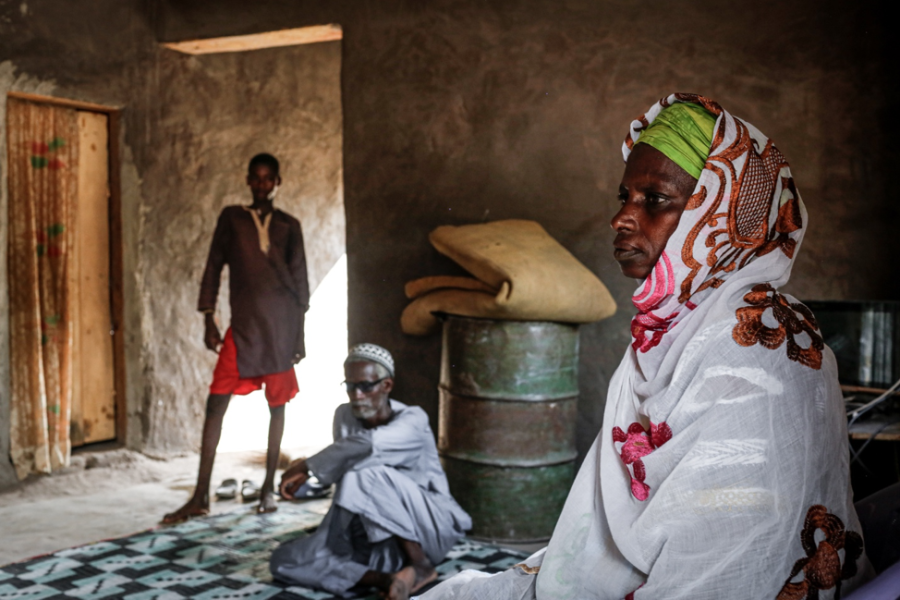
column 793, row 319
column 822, row 569
column 637, row 444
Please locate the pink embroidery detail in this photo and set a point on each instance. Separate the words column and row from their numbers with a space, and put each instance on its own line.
column 631, row 595
column 642, row 323
column 658, row 286
column 637, row 444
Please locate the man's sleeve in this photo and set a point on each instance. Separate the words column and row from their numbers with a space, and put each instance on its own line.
column 209, row 285
column 397, row 444
column 330, row 464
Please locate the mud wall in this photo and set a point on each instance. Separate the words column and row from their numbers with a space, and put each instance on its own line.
column 461, row 111
column 189, row 124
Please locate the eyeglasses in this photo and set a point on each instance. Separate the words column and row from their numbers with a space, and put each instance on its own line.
column 364, row 386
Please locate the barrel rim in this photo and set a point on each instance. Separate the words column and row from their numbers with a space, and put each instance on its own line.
column 448, row 317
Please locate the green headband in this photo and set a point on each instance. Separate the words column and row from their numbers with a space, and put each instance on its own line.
column 683, row 132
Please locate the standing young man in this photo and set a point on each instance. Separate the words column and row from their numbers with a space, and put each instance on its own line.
column 269, row 291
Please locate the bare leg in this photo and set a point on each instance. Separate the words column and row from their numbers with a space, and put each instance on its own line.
column 216, row 405
column 276, row 431
column 417, row 572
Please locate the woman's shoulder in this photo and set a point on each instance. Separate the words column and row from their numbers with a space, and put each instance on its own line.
column 763, row 327
column 760, row 350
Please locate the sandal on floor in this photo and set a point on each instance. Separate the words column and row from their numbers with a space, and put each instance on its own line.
column 249, row 491
column 311, row 489
column 228, row 489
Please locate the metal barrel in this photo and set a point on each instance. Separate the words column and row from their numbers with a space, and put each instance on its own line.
column 506, row 431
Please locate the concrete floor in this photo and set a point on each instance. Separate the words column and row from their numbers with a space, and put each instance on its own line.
column 106, row 495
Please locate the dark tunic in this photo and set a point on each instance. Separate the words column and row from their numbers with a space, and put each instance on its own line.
column 269, row 293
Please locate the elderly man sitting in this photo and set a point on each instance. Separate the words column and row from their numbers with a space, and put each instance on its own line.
column 393, row 517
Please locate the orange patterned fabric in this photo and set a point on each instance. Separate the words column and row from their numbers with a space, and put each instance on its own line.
column 793, row 319
column 822, row 568
column 43, row 169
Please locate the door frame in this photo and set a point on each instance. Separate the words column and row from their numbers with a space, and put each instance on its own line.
column 116, row 292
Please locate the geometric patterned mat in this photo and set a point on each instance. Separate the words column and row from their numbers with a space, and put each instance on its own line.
column 220, row 557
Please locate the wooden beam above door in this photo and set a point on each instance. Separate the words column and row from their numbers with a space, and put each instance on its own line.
column 258, row 41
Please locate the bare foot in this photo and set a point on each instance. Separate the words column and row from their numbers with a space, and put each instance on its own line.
column 409, row 580
column 402, row 583
column 193, row 508
column 267, row 504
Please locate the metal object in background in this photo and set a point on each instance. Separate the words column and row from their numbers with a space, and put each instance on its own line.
column 506, row 433
column 865, row 339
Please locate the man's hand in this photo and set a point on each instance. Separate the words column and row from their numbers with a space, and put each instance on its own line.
column 292, row 478
column 211, row 338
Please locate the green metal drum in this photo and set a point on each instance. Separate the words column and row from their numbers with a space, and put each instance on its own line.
column 506, row 434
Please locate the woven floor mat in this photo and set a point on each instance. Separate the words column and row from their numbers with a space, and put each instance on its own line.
column 219, row 557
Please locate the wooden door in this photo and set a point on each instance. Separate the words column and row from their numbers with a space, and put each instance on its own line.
column 94, row 394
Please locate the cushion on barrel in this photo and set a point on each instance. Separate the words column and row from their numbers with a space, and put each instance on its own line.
column 521, row 272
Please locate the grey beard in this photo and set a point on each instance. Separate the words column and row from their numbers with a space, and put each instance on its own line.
column 363, row 410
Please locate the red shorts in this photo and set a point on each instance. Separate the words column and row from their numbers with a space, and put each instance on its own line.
column 280, row 387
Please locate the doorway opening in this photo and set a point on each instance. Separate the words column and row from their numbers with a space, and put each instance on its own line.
column 308, row 416
column 293, row 78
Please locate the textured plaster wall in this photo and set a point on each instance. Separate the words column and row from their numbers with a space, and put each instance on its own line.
column 188, row 127
column 461, row 111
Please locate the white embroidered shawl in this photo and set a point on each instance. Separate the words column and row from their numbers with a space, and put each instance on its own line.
column 721, row 470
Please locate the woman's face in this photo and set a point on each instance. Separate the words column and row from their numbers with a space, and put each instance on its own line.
column 653, row 194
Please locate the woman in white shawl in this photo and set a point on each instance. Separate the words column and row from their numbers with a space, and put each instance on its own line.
column 721, row 470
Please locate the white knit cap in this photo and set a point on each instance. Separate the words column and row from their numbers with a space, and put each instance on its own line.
column 371, row 353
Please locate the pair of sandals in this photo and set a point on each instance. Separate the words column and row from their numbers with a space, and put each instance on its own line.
column 228, row 490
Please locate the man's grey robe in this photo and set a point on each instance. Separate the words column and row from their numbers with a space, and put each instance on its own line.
column 390, row 485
